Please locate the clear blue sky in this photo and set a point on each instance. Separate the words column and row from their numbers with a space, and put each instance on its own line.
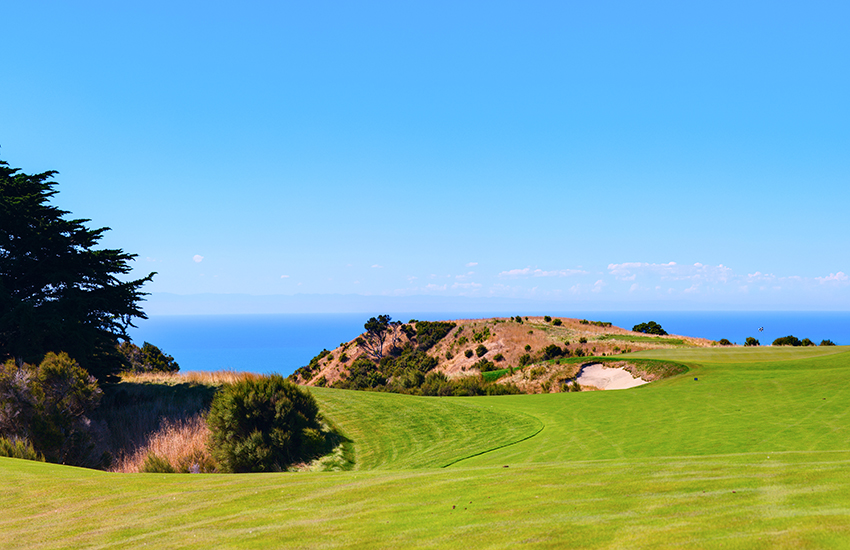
column 673, row 154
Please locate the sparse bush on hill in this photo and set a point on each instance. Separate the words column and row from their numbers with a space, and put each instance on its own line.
column 751, row 342
column 468, row 353
column 518, row 319
column 582, row 340
column 807, row 342
column 551, row 351
column 547, row 319
column 524, row 360
column 481, row 336
column 480, row 350
column 498, row 357
column 528, row 347
column 556, row 322
column 650, row 327
column 428, row 333
column 485, row 366
column 263, row 425
column 827, row 343
column 787, row 341
column 724, row 342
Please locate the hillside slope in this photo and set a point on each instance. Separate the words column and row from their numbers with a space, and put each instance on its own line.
column 505, row 341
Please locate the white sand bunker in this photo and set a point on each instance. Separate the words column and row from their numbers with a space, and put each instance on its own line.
column 606, row 378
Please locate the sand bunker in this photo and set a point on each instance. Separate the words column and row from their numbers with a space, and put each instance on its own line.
column 606, row 378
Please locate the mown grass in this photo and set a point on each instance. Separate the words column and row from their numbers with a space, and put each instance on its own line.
column 753, row 454
column 651, row 339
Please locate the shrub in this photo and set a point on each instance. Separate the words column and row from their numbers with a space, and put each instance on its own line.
column 343, row 358
column 724, row 342
column 157, row 465
column 579, row 352
column 582, row 340
column 485, row 366
column 481, row 336
column 498, row 357
column 518, row 319
column 263, row 425
column 547, row 318
column 428, row 333
column 551, row 351
column 524, row 360
column 807, row 342
column 449, row 355
column 462, row 340
column 480, row 350
column 556, row 322
column 787, row 341
column 752, row 342
column 528, row 347
column 16, row 447
column 650, row 327
column 468, row 353
column 827, row 343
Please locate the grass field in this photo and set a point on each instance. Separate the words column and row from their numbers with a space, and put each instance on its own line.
column 755, row 453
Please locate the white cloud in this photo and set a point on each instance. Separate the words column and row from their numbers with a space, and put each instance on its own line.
column 598, row 286
column 466, row 285
column 284, row 276
column 432, row 286
column 472, row 264
column 197, row 258
column 629, row 271
column 376, row 266
column 839, row 277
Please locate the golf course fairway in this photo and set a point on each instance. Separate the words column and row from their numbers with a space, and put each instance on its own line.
column 748, row 449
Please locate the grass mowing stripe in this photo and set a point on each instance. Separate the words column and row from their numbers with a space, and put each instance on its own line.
column 789, row 501
column 392, row 431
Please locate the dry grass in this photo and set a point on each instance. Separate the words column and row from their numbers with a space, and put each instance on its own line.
column 183, row 443
column 214, row 378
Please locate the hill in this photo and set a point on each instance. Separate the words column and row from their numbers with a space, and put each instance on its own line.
column 457, row 348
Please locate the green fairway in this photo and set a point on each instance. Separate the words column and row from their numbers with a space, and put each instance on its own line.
column 755, row 453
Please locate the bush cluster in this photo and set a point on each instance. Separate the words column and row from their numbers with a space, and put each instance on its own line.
column 650, row 327
column 46, row 406
column 148, row 358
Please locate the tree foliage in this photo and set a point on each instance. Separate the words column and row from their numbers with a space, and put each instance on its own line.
column 787, row 341
column 148, row 358
column 57, row 292
column 376, row 333
column 751, row 342
column 650, row 327
column 47, row 405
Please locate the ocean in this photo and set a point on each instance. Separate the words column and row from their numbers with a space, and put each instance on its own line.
column 282, row 343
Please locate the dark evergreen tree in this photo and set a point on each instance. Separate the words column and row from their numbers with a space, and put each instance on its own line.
column 57, row 292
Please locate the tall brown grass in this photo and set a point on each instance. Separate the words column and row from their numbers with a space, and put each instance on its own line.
column 214, row 378
column 181, row 442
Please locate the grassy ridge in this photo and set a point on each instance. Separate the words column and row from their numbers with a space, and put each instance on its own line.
column 754, row 454
column 394, row 431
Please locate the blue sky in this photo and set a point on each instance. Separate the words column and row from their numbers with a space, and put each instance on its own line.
column 666, row 155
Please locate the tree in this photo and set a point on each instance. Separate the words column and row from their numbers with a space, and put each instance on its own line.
column 650, row 328
column 57, row 292
column 751, row 342
column 787, row 341
column 827, row 343
column 376, row 333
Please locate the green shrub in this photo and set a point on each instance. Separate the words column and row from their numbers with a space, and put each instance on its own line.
column 547, row 318
column 480, row 350
column 462, row 340
column 263, row 425
column 650, row 327
column 556, row 322
column 518, row 319
column 579, row 352
column 582, row 340
column 468, row 353
column 481, row 336
column 449, row 355
column 498, row 357
column 787, row 341
column 528, row 347
column 157, row 465
column 16, row 447
column 551, row 351
column 724, row 342
column 524, row 360
column 827, row 343
column 751, row 342
column 428, row 333
column 807, row 342
column 485, row 366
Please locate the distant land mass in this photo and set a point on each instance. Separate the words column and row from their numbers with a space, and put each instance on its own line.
column 162, row 303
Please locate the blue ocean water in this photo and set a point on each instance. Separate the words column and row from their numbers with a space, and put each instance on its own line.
column 282, row 343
